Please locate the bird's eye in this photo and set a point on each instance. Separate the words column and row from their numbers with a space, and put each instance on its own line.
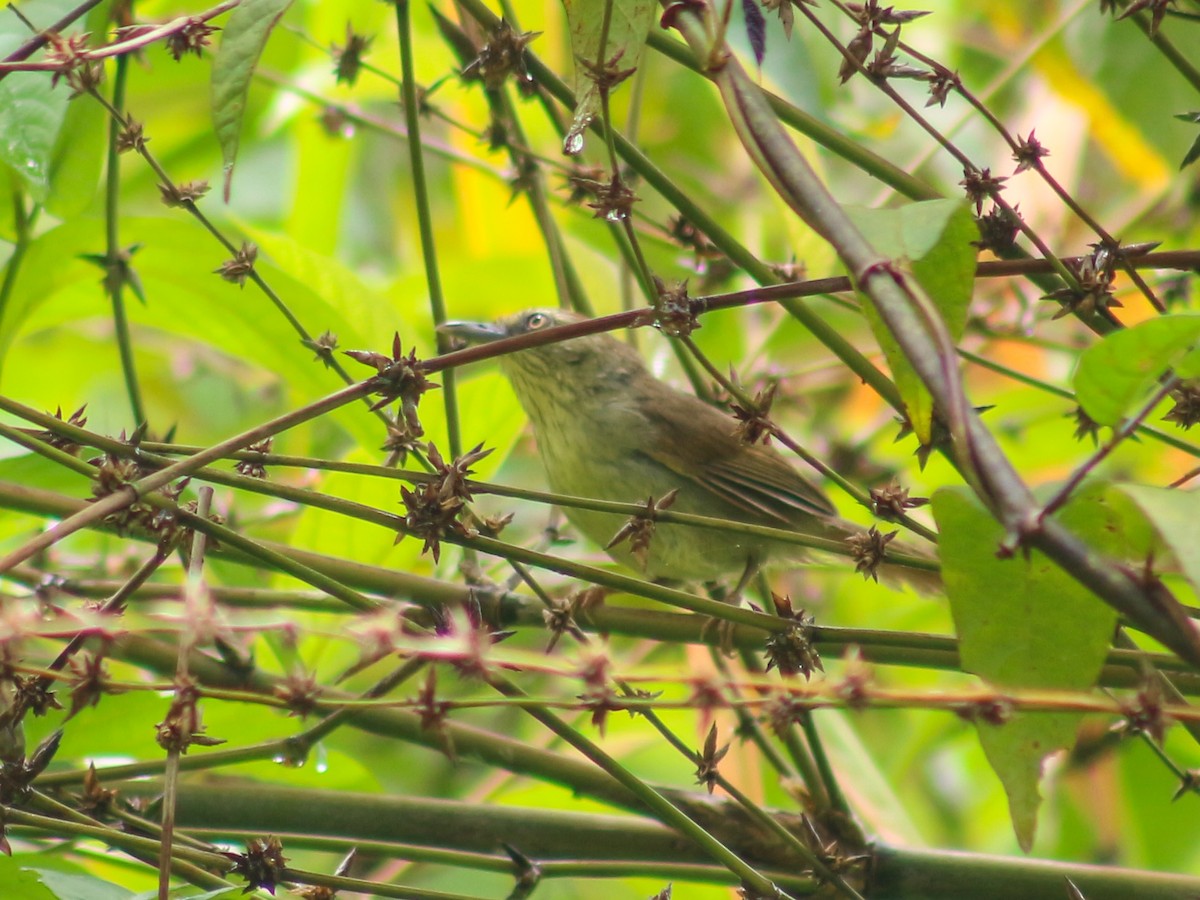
column 536, row 321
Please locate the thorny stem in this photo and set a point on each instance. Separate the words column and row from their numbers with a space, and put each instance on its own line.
column 923, row 338
column 965, row 161
column 39, row 40
column 1128, row 427
column 754, row 809
column 118, row 500
column 113, row 606
column 570, row 289
column 164, row 179
column 568, row 286
column 817, row 130
column 1181, row 63
column 780, row 435
column 143, row 39
column 1040, row 167
column 1170, row 690
column 1149, row 431
column 227, row 536
column 416, row 158
column 433, row 280
column 190, row 864
column 812, row 697
column 882, row 647
column 360, row 117
column 749, row 727
column 390, row 521
column 817, row 695
column 807, row 754
column 174, row 750
column 604, row 89
column 1015, row 66
column 658, row 804
column 301, row 743
column 656, row 178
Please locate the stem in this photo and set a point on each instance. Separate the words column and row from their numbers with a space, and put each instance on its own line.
column 924, row 339
column 116, row 266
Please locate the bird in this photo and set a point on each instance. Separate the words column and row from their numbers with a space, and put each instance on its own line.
column 606, row 428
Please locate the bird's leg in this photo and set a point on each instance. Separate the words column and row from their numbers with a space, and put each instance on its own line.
column 724, row 626
column 551, row 535
column 753, row 565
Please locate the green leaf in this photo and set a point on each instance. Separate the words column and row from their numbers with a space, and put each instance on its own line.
column 21, row 883
column 30, row 116
column 932, row 240
column 80, row 148
column 74, row 170
column 242, row 43
column 1193, row 153
column 68, row 886
column 36, row 471
column 1024, row 623
column 1120, row 371
column 630, row 23
column 31, row 111
column 56, row 289
column 1172, row 514
column 51, row 263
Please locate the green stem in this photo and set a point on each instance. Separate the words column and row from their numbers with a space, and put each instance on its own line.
column 416, row 158
column 730, row 246
column 658, row 804
column 124, row 497
column 933, row 875
column 1123, row 668
column 922, row 336
column 22, row 227
column 117, row 267
column 810, row 126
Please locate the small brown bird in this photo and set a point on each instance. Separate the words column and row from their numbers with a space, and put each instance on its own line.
column 608, row 429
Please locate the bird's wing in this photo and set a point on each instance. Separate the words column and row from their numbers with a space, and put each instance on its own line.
column 763, row 481
column 698, row 442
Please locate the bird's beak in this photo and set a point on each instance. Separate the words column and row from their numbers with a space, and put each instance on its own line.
column 474, row 332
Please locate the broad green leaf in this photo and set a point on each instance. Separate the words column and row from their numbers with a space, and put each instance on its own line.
column 187, row 299
column 629, row 25
column 74, row 171
column 932, row 240
column 32, row 470
column 1172, row 514
column 242, row 43
column 316, row 223
column 21, row 883
column 51, row 262
column 68, row 886
column 1189, row 366
column 352, row 302
column 81, row 146
column 1119, row 372
column 1024, row 623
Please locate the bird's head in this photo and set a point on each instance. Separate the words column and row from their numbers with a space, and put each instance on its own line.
column 568, row 372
